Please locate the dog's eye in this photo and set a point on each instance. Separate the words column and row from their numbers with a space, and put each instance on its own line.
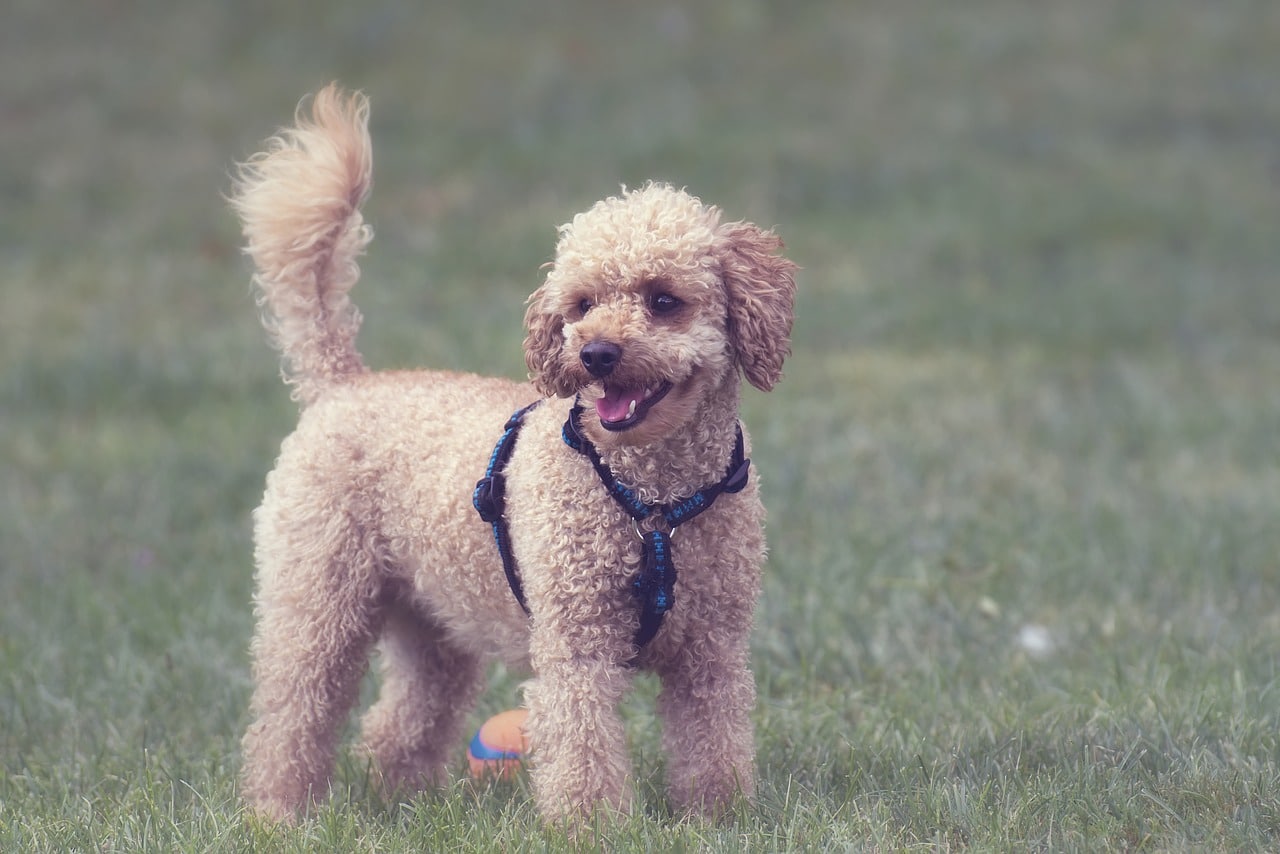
column 584, row 305
column 663, row 303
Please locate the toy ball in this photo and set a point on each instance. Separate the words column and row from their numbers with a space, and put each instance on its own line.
column 498, row 749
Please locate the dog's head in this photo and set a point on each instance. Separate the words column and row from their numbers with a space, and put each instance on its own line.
column 652, row 304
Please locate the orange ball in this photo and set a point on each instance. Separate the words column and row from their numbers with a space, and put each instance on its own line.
column 498, row 749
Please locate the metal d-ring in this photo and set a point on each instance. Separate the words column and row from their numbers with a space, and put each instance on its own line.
column 670, row 532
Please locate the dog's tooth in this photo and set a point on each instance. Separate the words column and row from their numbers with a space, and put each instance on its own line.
column 631, row 410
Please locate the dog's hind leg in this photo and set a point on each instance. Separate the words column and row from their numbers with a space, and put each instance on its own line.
column 429, row 685
column 318, row 612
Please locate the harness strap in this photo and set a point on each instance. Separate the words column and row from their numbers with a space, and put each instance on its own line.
column 654, row 585
column 490, row 498
column 734, row 480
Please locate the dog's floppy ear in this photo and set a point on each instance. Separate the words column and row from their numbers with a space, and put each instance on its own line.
column 761, row 288
column 544, row 337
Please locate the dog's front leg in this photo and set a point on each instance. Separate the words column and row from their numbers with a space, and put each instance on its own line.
column 580, row 761
column 708, row 695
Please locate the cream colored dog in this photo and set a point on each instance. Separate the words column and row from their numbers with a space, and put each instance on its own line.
column 367, row 532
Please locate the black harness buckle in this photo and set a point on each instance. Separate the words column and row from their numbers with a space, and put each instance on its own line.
column 490, row 496
column 737, row 479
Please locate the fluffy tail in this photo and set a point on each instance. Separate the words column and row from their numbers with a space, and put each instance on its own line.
column 299, row 201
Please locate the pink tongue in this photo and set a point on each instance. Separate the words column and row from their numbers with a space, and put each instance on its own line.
column 615, row 403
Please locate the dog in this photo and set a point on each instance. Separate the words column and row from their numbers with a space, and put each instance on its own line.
column 650, row 314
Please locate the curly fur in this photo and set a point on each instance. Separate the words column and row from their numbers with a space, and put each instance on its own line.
column 366, row 534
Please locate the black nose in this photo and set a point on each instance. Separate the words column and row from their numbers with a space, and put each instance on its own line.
column 600, row 357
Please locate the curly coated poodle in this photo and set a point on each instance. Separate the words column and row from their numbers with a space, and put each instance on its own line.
column 620, row 526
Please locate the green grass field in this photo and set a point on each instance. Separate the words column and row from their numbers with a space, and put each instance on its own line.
column 1023, row 478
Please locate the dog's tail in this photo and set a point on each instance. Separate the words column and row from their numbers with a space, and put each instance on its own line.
column 299, row 201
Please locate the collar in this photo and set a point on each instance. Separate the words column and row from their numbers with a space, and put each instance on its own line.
column 674, row 513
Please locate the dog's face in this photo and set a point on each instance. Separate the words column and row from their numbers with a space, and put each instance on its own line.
column 650, row 305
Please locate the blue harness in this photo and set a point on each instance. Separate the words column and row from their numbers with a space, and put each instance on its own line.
column 654, row 584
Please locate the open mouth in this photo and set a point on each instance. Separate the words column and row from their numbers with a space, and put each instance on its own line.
column 623, row 408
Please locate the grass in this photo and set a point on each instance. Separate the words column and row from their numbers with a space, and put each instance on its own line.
column 1024, row 589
